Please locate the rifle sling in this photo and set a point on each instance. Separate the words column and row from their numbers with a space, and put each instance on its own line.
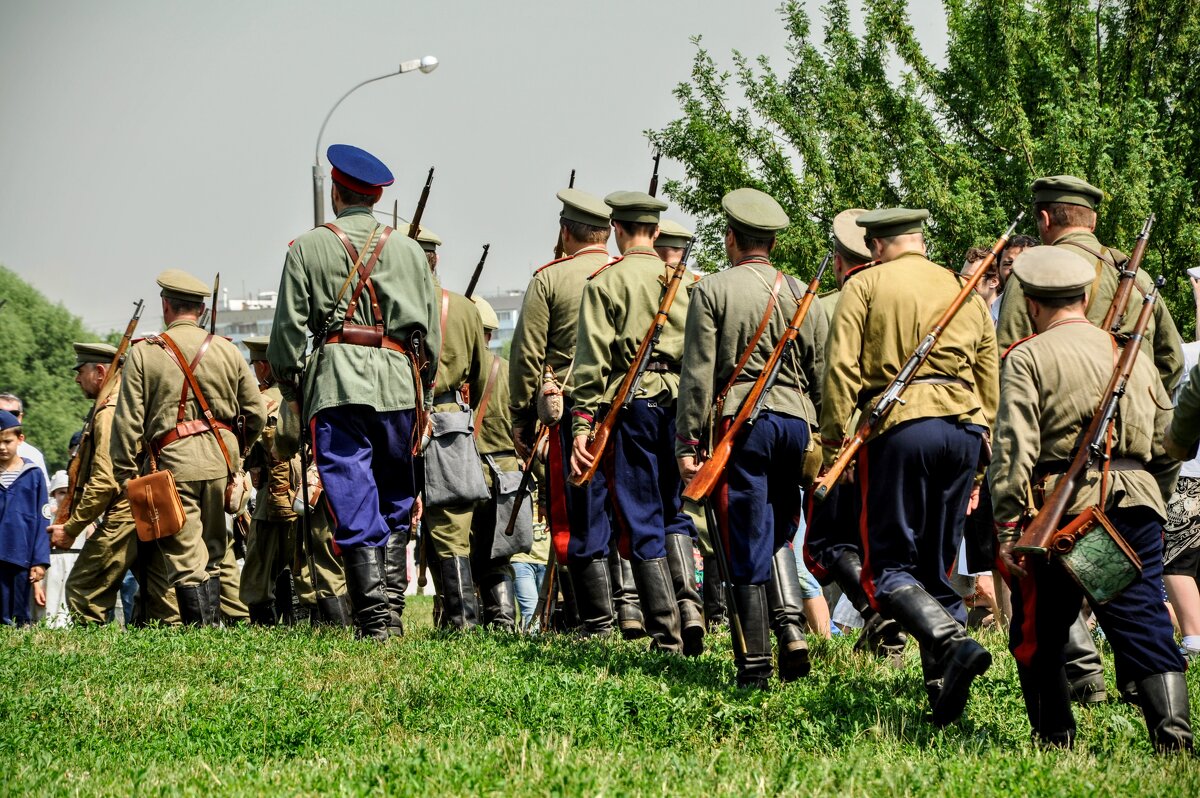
column 481, row 411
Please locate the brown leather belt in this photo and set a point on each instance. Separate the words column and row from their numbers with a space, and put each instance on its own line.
column 385, row 342
column 186, row 429
column 662, row 367
column 1053, row 467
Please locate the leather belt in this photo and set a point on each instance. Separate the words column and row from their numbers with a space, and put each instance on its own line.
column 186, row 429
column 1053, row 467
column 662, row 367
column 385, row 342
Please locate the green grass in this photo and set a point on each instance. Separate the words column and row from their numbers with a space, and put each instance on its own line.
column 247, row 711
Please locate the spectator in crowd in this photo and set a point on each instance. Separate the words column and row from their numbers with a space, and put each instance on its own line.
column 61, row 561
column 13, row 404
column 529, row 569
column 1016, row 245
column 989, row 286
column 816, row 608
column 24, row 544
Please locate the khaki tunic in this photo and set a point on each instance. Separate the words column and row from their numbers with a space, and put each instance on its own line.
column 98, row 493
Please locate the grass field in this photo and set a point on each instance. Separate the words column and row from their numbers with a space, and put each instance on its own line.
column 247, row 711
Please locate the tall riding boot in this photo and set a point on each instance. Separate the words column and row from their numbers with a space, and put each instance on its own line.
column 944, row 642
column 1048, row 705
column 567, row 613
column 499, row 603
column 593, row 597
column 262, row 614
column 460, row 609
column 625, row 597
column 714, row 595
column 285, row 595
column 396, row 581
column 682, row 562
column 753, row 665
column 212, row 592
column 1165, row 706
column 193, row 604
column 881, row 636
column 332, row 611
column 659, row 608
column 787, row 616
column 1085, row 670
column 364, row 583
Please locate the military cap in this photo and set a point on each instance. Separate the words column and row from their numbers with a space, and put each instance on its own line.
column 257, row 346
column 582, row 207
column 887, row 222
column 672, row 234
column 93, row 353
column 1066, row 189
column 358, row 170
column 178, row 284
column 428, row 239
column 1052, row 273
column 754, row 213
column 635, row 206
column 848, row 237
column 8, row 420
column 490, row 320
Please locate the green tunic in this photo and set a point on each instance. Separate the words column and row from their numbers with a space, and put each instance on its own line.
column 828, row 303
column 724, row 311
column 1162, row 341
column 618, row 307
column 1050, row 387
column 495, row 435
column 100, row 494
column 460, row 363
column 1184, row 432
column 314, row 272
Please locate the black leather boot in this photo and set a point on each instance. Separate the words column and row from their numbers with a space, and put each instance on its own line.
column 212, row 591
column 1165, row 706
column 659, row 608
column 944, row 644
column 881, row 636
column 1048, row 705
column 499, row 602
column 625, row 597
column 333, row 611
column 754, row 664
column 396, row 581
column 787, row 616
column 714, row 595
column 193, row 604
column 682, row 562
column 285, row 595
column 262, row 614
column 364, row 584
column 593, row 597
column 1085, row 669
column 460, row 608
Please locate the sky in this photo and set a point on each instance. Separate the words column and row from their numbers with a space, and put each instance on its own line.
column 142, row 135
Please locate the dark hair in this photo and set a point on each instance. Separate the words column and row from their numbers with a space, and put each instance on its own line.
column 17, row 429
column 976, row 254
column 184, row 307
column 636, row 228
column 588, row 234
column 1066, row 214
column 747, row 242
column 1021, row 242
column 350, row 198
column 1057, row 302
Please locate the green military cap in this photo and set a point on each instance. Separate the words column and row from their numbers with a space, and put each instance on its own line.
column 178, row 284
column 635, row 206
column 672, row 234
column 888, row 222
column 1066, row 189
column 490, row 320
column 257, row 346
column 428, row 239
column 1052, row 273
column 848, row 237
column 580, row 206
column 93, row 353
column 754, row 213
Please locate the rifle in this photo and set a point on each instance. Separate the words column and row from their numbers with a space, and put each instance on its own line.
column 414, row 227
column 895, row 389
column 106, row 388
column 558, row 246
column 702, row 484
column 544, row 611
column 1036, row 539
column 212, row 313
column 653, row 192
column 1116, row 311
column 598, row 441
column 478, row 271
column 526, row 480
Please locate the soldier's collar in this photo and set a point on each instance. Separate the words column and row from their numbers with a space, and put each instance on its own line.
column 183, row 323
column 1071, row 320
column 751, row 259
column 639, row 250
column 1077, row 235
column 907, row 253
column 355, row 210
column 591, row 248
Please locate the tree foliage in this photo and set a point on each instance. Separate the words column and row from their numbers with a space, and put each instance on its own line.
column 1105, row 90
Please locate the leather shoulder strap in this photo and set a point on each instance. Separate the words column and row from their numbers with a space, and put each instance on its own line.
column 176, row 355
column 445, row 313
column 754, row 339
column 364, row 281
column 481, row 411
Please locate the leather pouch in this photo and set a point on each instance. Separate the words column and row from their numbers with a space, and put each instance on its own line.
column 155, row 504
column 1096, row 556
column 362, row 335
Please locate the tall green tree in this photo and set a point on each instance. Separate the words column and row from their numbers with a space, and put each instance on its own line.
column 1106, row 90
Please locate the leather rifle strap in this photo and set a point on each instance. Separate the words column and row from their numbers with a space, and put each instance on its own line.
column 481, row 411
column 754, row 339
column 173, row 350
column 183, row 394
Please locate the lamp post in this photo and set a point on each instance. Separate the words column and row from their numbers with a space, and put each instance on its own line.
column 426, row 65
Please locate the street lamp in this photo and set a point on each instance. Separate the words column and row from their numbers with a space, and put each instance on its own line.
column 426, row 65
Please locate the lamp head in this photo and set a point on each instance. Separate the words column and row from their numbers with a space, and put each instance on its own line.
column 428, row 64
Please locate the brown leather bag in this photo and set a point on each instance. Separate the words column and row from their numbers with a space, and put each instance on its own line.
column 155, row 504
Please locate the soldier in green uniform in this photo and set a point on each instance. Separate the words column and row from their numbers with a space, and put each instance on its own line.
column 618, row 307
column 156, row 413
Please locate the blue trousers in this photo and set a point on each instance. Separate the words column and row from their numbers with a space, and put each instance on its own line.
column 915, row 483
column 527, row 583
column 832, row 528
column 365, row 461
column 14, row 595
column 757, row 499
column 579, row 524
column 644, row 489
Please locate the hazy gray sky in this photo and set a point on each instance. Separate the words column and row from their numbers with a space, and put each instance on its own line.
column 139, row 135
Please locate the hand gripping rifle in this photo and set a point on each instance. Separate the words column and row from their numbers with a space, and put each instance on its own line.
column 653, row 191
column 702, row 484
column 414, row 227
column 560, row 244
column 526, row 480
column 633, row 376
column 1037, row 537
column 106, row 388
column 891, row 396
column 478, row 271
column 1128, row 278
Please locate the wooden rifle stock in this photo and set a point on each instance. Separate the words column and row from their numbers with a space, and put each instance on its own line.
column 895, row 389
column 212, row 313
column 653, row 192
column 414, row 227
column 633, row 376
column 1037, row 536
column 701, row 485
column 106, row 388
column 559, row 245
column 1127, row 280
column 526, row 481
column 478, row 271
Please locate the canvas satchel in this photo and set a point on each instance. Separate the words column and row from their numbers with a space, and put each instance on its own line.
column 507, row 484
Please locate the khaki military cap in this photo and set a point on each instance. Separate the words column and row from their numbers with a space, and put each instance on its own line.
column 635, row 206
column 1066, row 189
column 1053, row 272
column 848, row 236
column 887, row 222
column 178, row 284
column 490, row 320
column 93, row 353
column 754, row 213
column 672, row 234
column 582, row 207
column 257, row 346
column 428, row 239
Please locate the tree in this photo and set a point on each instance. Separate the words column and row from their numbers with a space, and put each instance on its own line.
column 1030, row 88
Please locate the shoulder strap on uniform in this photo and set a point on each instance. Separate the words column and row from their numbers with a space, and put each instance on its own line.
column 481, row 411
column 172, row 349
column 1015, row 344
column 445, row 312
column 601, row 270
column 364, row 280
column 551, row 263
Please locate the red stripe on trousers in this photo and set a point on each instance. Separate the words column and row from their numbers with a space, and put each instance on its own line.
column 560, row 520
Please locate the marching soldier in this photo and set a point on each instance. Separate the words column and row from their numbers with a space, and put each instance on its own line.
column 545, row 338
column 1051, row 386
column 190, row 435
column 367, row 383
column 736, row 317
column 916, row 475
column 619, row 304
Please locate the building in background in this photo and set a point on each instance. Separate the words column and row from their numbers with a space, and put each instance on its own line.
column 508, row 307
